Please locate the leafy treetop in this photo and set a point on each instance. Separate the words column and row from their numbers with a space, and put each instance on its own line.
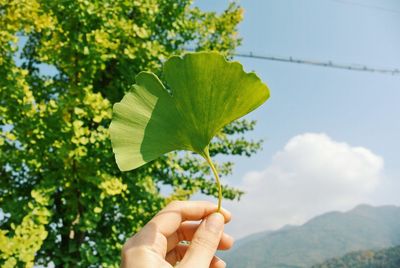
column 62, row 198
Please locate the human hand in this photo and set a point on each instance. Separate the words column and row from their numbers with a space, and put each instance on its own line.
column 157, row 243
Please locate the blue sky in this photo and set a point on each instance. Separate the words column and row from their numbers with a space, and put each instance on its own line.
column 360, row 109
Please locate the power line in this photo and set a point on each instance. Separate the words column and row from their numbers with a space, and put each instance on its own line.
column 366, row 6
column 327, row 64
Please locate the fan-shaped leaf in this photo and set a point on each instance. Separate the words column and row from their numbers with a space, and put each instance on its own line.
column 207, row 93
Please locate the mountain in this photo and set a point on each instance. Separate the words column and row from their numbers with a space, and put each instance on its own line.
column 386, row 258
column 329, row 235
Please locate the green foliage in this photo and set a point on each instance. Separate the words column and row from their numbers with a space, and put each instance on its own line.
column 323, row 237
column 384, row 258
column 61, row 193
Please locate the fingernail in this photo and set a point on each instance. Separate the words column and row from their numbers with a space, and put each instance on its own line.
column 215, row 222
column 221, row 263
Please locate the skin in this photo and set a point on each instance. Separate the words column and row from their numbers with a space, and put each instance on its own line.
column 157, row 244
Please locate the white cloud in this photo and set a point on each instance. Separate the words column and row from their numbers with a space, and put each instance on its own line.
column 313, row 174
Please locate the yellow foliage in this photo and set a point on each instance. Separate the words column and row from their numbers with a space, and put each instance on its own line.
column 60, row 118
column 112, row 186
column 29, row 235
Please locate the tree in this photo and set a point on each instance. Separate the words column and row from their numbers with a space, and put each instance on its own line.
column 388, row 258
column 63, row 200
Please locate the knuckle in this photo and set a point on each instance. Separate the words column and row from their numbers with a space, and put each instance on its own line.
column 204, row 242
column 175, row 203
column 128, row 252
column 208, row 204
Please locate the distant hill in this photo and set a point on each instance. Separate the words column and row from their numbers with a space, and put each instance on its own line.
column 329, row 235
column 386, row 258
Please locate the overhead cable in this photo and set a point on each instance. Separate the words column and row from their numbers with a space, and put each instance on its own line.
column 328, row 64
column 365, row 5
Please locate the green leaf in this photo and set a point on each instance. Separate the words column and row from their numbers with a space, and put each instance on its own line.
column 207, row 93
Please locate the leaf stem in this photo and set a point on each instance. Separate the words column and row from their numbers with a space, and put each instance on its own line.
column 207, row 157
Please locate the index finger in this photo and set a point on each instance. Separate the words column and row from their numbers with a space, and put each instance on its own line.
column 170, row 218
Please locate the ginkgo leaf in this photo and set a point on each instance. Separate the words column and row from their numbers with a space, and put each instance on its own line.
column 205, row 93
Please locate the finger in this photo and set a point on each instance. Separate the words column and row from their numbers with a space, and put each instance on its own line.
column 216, row 262
column 176, row 254
column 186, row 232
column 170, row 218
column 205, row 242
column 179, row 251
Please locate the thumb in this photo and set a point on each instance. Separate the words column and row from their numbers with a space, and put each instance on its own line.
column 205, row 242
